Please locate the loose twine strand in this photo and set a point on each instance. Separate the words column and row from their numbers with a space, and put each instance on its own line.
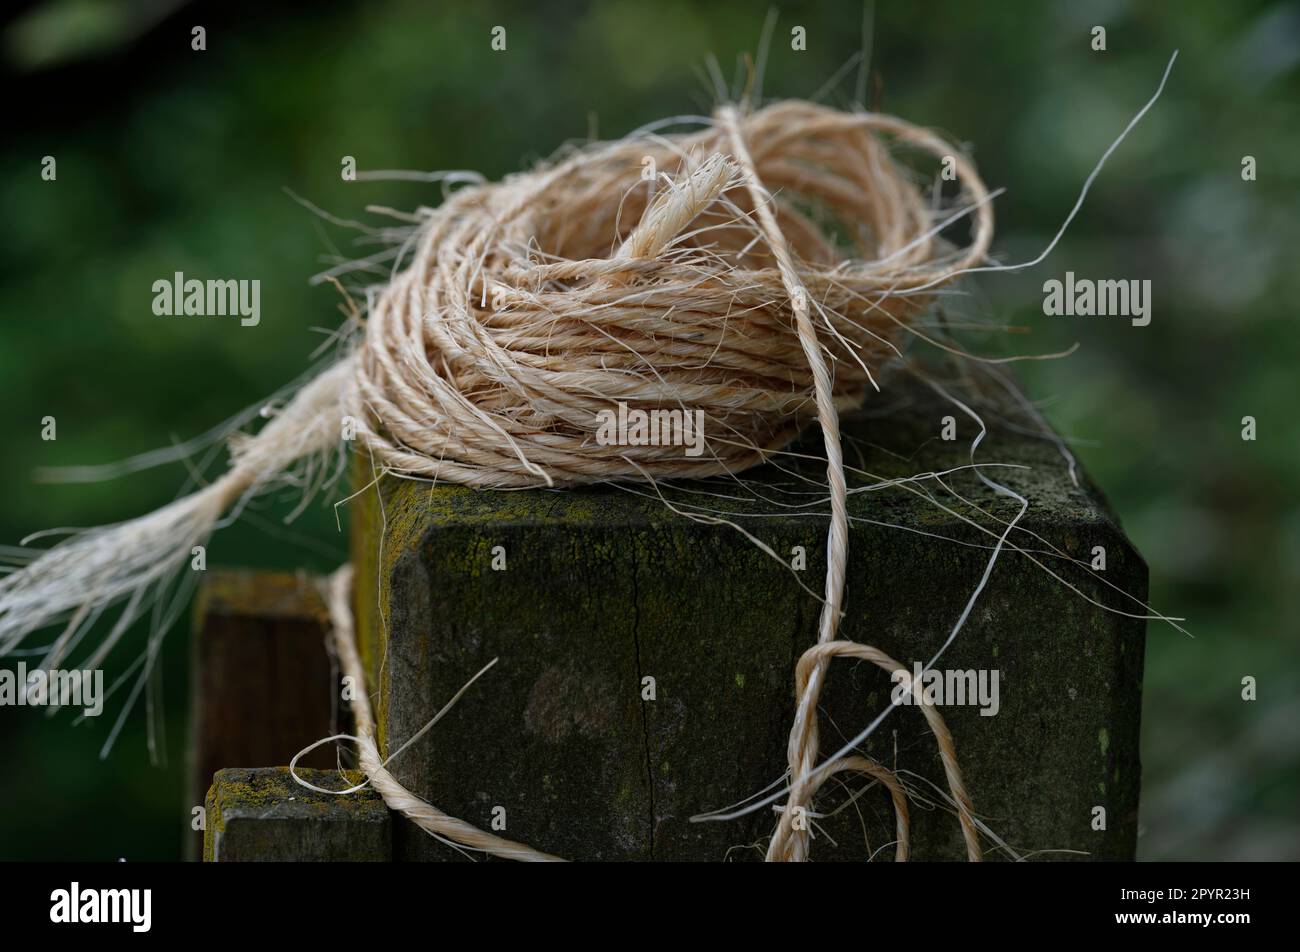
column 337, row 591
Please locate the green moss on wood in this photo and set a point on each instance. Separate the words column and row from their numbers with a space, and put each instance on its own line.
column 264, row 814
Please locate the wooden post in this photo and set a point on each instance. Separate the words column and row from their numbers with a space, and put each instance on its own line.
column 646, row 660
column 262, row 685
column 266, row 816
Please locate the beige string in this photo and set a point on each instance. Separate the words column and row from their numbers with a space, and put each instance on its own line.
column 488, row 360
column 338, row 594
column 533, row 304
column 816, row 657
column 77, row 579
column 756, row 276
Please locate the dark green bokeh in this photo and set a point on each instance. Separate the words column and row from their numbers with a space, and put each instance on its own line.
column 178, row 161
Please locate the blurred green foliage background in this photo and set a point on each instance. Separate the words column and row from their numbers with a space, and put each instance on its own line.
column 176, row 160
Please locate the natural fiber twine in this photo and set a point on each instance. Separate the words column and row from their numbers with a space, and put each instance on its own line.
column 759, row 279
column 532, row 304
column 772, row 260
column 757, row 275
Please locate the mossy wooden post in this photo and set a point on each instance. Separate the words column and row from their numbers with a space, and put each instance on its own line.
column 261, row 680
column 586, row 595
column 266, row 816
